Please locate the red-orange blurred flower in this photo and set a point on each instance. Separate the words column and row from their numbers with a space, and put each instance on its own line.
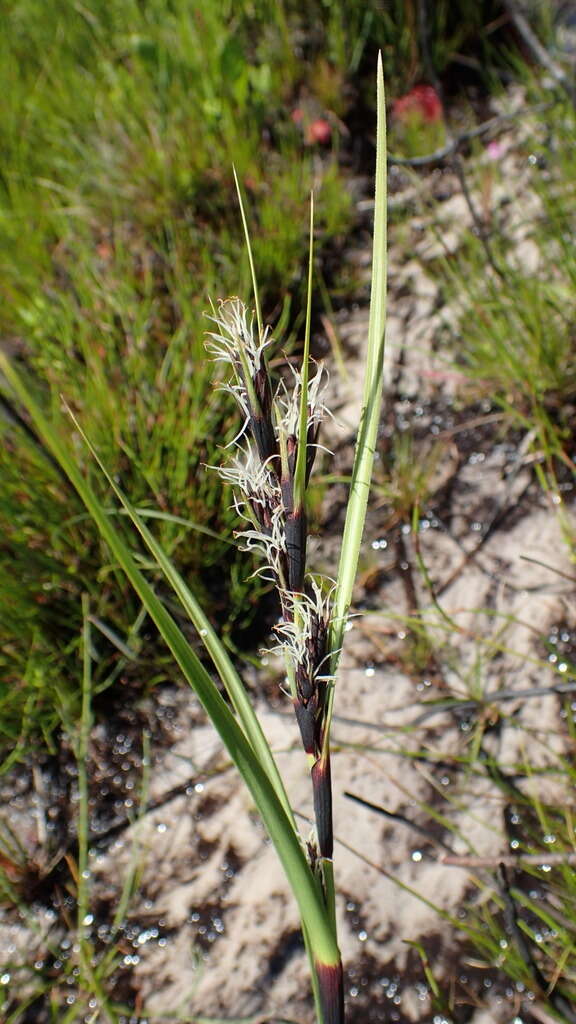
column 316, row 130
column 422, row 100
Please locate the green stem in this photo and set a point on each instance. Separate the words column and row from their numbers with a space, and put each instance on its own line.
column 371, row 404
column 250, row 256
column 81, row 759
column 300, row 468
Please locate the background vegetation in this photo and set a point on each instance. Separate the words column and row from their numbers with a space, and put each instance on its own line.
column 122, row 123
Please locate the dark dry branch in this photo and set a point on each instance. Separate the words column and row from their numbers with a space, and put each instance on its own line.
column 538, row 51
column 394, row 816
column 510, row 860
column 457, row 141
column 512, row 925
column 493, row 698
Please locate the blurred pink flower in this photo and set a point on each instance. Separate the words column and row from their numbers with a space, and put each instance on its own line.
column 422, row 100
column 496, row 149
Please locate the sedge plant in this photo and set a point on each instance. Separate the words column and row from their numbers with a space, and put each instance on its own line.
column 271, row 476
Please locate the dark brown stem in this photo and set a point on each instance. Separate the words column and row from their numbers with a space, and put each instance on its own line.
column 331, row 987
column 322, row 791
column 295, row 533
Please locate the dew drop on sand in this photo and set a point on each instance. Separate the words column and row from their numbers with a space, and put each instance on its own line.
column 422, row 991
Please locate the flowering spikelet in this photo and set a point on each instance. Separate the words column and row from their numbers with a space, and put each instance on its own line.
column 303, row 635
column 256, row 490
column 288, row 406
column 236, row 345
column 263, row 476
column 289, row 403
column 270, row 500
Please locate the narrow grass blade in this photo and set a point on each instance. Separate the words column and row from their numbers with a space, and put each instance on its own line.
column 250, row 256
column 228, row 674
column 372, row 397
column 300, row 468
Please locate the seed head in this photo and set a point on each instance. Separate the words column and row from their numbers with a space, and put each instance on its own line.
column 303, row 631
column 250, row 384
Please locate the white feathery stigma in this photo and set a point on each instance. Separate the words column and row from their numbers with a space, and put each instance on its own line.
column 236, row 337
column 289, row 401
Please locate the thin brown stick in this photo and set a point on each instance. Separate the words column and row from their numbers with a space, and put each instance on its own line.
column 454, row 144
column 402, row 820
column 538, row 51
column 510, row 860
column 494, row 698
